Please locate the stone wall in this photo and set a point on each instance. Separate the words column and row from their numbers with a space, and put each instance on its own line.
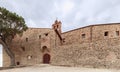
column 90, row 46
column 94, row 50
column 91, row 33
column 28, row 49
column 75, row 36
column 102, row 53
column 98, row 31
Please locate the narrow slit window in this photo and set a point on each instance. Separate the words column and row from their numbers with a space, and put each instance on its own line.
column 83, row 35
column 106, row 33
column 39, row 36
column 117, row 33
column 23, row 48
column 57, row 26
column 26, row 39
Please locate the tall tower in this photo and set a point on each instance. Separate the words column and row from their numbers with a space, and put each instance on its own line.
column 57, row 26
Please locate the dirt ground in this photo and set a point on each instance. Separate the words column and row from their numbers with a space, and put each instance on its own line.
column 49, row 68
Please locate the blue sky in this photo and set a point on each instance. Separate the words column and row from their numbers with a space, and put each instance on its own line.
column 72, row 13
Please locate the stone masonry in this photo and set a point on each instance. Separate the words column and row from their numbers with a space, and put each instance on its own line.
column 90, row 46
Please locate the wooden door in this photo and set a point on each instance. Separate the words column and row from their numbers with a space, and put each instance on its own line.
column 46, row 58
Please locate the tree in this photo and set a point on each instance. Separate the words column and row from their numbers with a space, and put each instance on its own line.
column 10, row 25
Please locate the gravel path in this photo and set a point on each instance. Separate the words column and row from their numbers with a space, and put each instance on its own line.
column 48, row 68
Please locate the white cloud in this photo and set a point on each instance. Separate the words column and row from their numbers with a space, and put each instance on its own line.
column 73, row 13
column 66, row 7
column 63, row 8
column 31, row 23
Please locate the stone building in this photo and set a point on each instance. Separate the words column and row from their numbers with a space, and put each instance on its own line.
column 90, row 46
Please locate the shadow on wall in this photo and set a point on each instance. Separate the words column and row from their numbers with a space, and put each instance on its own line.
column 1, row 55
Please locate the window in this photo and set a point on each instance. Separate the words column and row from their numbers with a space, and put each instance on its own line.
column 83, row 35
column 44, row 48
column 26, row 39
column 18, row 63
column 57, row 26
column 23, row 48
column 39, row 36
column 46, row 34
column 117, row 33
column 106, row 33
column 29, row 57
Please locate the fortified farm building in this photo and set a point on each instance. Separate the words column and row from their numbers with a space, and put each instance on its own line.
column 90, row 46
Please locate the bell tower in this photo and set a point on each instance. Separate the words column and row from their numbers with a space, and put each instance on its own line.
column 57, row 26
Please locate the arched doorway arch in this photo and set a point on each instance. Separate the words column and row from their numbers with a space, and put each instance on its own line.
column 44, row 48
column 46, row 58
column 1, row 55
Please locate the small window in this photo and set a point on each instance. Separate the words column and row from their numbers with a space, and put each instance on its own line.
column 39, row 36
column 106, row 33
column 57, row 26
column 26, row 39
column 44, row 48
column 23, row 48
column 29, row 57
column 18, row 63
column 117, row 33
column 83, row 35
column 46, row 34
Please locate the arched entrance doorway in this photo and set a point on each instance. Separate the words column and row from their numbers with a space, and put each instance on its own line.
column 1, row 55
column 46, row 58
